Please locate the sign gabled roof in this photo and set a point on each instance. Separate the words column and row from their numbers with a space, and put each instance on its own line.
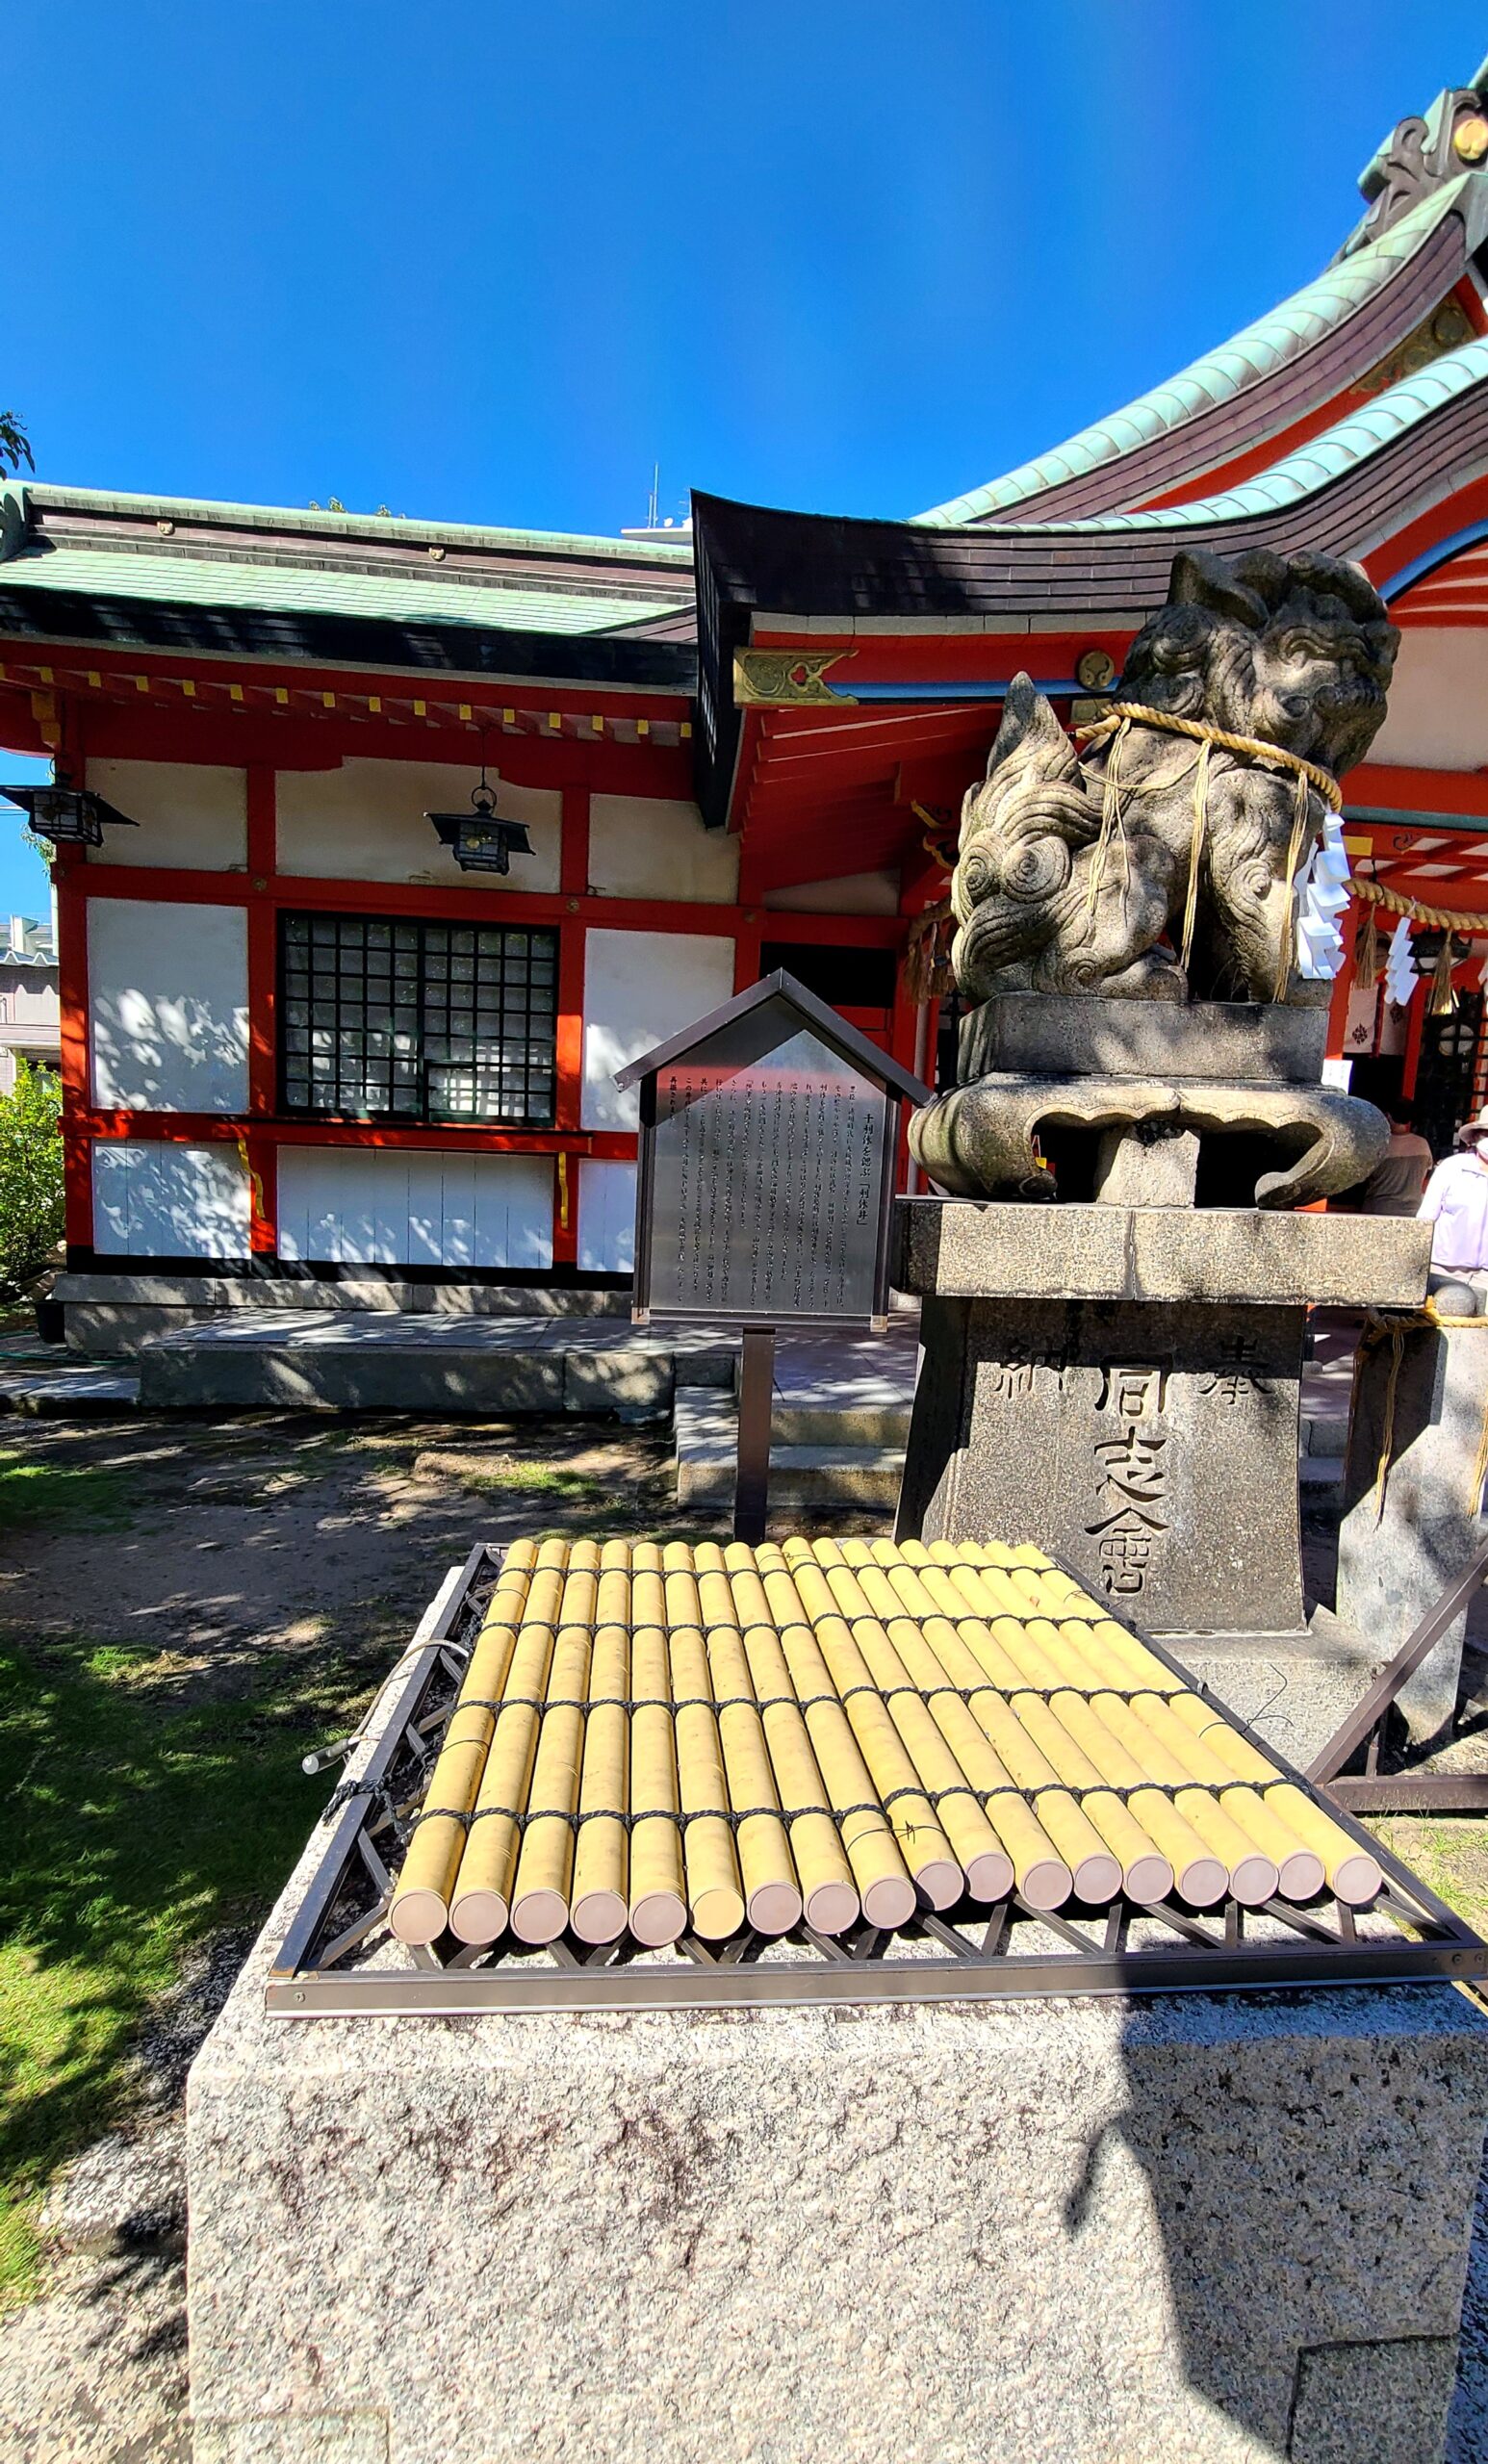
column 828, row 1023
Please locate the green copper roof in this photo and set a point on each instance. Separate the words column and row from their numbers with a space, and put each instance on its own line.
column 205, row 581
column 1221, row 374
column 395, row 531
column 1312, row 465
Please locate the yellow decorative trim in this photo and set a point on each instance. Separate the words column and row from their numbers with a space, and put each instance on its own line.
column 788, row 680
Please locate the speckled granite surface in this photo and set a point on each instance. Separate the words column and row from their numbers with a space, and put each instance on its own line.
column 1201, row 2227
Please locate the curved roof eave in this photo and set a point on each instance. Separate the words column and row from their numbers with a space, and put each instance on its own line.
column 1273, row 342
column 1312, row 466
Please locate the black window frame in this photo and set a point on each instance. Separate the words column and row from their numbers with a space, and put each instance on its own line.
column 491, row 996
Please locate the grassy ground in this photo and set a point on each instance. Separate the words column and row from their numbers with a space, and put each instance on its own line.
column 185, row 1607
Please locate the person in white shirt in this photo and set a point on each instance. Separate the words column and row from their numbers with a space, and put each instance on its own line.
column 1456, row 1204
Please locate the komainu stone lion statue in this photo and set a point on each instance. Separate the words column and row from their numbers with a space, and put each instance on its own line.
column 1167, row 865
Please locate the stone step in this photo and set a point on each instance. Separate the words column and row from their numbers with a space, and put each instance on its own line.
column 492, row 1367
column 800, row 1474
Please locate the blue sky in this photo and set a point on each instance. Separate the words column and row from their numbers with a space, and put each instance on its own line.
column 487, row 262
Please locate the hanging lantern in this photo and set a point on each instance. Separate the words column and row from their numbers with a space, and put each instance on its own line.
column 68, row 816
column 480, row 840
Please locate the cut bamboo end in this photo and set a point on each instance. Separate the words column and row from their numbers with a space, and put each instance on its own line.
column 1096, row 1878
column 1046, row 1882
column 890, row 1902
column 989, row 1875
column 418, row 1916
column 717, row 1911
column 1148, row 1879
column 658, row 1918
column 830, row 1907
column 478, row 1917
column 599, row 1916
column 539, row 1916
column 774, row 1907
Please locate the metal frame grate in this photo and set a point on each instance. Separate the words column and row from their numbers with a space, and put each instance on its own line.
column 392, row 1017
column 325, row 1964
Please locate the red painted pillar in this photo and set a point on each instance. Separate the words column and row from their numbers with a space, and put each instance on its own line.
column 574, row 881
column 260, row 1151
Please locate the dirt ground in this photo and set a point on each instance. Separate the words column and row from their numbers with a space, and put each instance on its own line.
column 228, row 1561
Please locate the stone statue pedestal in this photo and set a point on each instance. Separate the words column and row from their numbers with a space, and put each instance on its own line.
column 1404, row 1539
column 1120, row 1385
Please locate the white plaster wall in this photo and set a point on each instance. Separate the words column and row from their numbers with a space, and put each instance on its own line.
column 167, row 1006
column 851, row 894
column 640, row 988
column 649, row 847
column 1438, row 715
column 191, row 815
column 606, row 1218
column 155, row 1201
column 364, row 823
column 386, row 1206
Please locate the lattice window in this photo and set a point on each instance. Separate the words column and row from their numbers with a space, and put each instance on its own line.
column 393, row 1018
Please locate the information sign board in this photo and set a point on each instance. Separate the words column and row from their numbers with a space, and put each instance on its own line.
column 767, row 1146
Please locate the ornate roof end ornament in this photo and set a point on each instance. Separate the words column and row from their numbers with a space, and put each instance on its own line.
column 1421, row 154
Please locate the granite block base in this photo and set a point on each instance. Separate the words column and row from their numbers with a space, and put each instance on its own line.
column 1201, row 2229
column 1409, row 1529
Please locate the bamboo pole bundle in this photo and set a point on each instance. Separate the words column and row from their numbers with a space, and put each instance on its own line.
column 883, row 1881
column 599, row 1890
column 830, row 1895
column 989, row 1826
column 1058, row 1598
column 1350, row 1872
column 1052, row 1846
column 1236, row 1826
column 772, row 1899
column 1086, row 1832
column 480, row 1901
column 659, row 1901
column 945, row 1854
column 1298, row 1869
column 420, row 1908
column 1198, row 1874
column 1268, row 1844
column 714, row 1898
column 545, row 1862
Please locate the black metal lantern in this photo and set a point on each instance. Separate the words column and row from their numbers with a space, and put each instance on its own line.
column 480, row 840
column 68, row 816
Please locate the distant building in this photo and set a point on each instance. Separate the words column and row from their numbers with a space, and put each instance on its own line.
column 30, row 1006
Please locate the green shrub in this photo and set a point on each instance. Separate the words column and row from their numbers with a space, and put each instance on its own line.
column 31, row 1199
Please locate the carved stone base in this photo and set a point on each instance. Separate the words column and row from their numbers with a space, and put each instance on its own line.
column 1151, row 1447
column 1221, row 1100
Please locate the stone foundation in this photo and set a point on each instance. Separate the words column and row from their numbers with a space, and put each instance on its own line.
column 1206, row 2228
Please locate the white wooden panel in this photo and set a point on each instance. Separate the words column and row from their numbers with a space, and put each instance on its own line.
column 1438, row 715
column 364, row 823
column 514, row 1197
column 649, row 847
column 640, row 988
column 390, row 1206
column 167, row 1006
column 606, row 1219
column 152, row 1199
column 191, row 815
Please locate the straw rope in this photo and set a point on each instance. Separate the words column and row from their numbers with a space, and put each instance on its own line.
column 1308, row 776
column 1453, row 919
column 1121, row 716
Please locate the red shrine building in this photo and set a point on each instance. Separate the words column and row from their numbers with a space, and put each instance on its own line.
column 310, row 1029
